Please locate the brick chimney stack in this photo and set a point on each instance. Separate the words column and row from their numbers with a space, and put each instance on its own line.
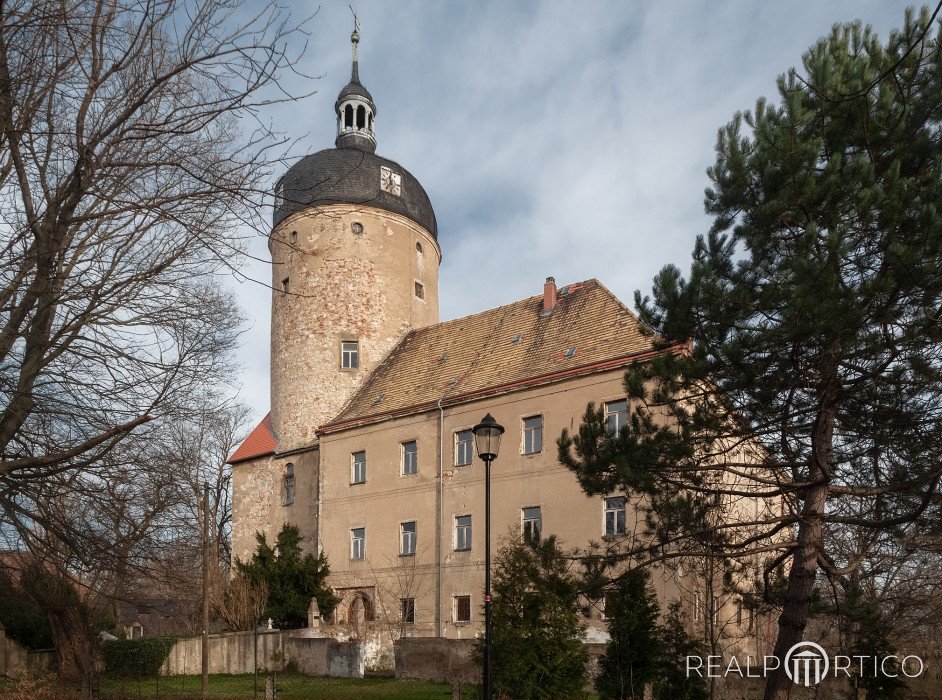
column 549, row 295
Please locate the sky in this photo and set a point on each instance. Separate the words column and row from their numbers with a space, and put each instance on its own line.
column 553, row 138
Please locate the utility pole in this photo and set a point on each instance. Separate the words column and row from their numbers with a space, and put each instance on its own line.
column 205, row 538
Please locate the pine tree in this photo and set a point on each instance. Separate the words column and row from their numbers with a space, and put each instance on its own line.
column 291, row 577
column 536, row 642
column 813, row 382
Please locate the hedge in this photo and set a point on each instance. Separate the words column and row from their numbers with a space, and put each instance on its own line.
column 136, row 658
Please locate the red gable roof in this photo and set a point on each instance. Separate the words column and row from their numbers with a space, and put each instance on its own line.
column 260, row 442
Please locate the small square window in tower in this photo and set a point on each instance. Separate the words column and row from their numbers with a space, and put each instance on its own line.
column 410, row 458
column 349, row 354
column 532, row 435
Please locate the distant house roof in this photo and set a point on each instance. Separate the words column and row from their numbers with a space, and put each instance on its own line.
column 260, row 442
column 502, row 349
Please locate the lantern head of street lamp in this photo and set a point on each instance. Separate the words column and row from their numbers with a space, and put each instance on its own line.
column 487, row 438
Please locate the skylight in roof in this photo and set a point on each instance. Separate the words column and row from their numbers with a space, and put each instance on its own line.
column 517, row 338
column 379, row 399
column 571, row 352
column 442, row 357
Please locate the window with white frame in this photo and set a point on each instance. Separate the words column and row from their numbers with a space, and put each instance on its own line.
column 407, row 610
column 615, row 515
column 407, row 536
column 350, row 354
column 358, row 543
column 616, row 415
column 532, row 523
column 288, row 484
column 410, row 458
column 358, row 467
column 464, row 447
column 462, row 608
column 532, row 435
column 462, row 532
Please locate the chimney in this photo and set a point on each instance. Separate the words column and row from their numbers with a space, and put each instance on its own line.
column 549, row 296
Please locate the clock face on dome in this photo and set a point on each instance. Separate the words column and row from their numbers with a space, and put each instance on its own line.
column 390, row 181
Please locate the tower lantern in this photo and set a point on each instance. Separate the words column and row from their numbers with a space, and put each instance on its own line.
column 355, row 108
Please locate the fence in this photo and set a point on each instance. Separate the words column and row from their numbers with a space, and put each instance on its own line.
column 16, row 659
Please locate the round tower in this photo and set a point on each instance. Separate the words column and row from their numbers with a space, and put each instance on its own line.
column 355, row 261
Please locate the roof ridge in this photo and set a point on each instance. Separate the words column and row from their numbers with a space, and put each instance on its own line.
column 502, row 306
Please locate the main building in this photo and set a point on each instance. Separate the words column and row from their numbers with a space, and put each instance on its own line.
column 368, row 445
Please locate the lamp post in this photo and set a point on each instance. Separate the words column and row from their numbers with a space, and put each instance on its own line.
column 487, row 442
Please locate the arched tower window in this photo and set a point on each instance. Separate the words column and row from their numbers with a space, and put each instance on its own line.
column 361, row 117
column 348, row 117
column 288, row 484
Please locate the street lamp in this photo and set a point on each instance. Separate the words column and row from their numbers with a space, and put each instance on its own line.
column 487, row 441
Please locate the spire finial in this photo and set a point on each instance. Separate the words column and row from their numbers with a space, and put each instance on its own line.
column 355, row 38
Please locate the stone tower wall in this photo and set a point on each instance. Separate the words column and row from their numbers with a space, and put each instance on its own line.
column 341, row 286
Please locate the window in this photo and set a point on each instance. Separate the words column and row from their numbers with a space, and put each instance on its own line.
column 288, row 484
column 608, row 604
column 356, row 227
column 294, row 236
column 407, row 539
column 358, row 543
column 615, row 516
column 349, row 354
column 532, row 523
column 358, row 468
column 284, row 285
column 407, row 606
column 462, row 532
column 532, row 435
column 716, row 611
column 462, row 608
column 418, row 247
column 419, row 291
column 410, row 458
column 697, row 607
column 464, row 446
column 616, row 415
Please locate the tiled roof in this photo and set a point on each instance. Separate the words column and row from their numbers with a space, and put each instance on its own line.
column 502, row 348
column 260, row 442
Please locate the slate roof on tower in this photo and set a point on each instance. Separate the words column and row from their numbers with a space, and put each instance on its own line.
column 351, row 176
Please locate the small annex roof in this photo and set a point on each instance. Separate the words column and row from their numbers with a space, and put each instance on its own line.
column 501, row 349
column 260, row 442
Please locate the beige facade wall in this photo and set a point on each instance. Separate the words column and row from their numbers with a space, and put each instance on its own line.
column 258, row 501
column 518, row 480
column 341, row 286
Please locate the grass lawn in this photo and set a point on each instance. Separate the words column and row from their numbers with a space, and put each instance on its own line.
column 241, row 686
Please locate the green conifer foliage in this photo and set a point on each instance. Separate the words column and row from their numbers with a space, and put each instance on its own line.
column 814, row 305
column 632, row 655
column 292, row 578
column 536, row 647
